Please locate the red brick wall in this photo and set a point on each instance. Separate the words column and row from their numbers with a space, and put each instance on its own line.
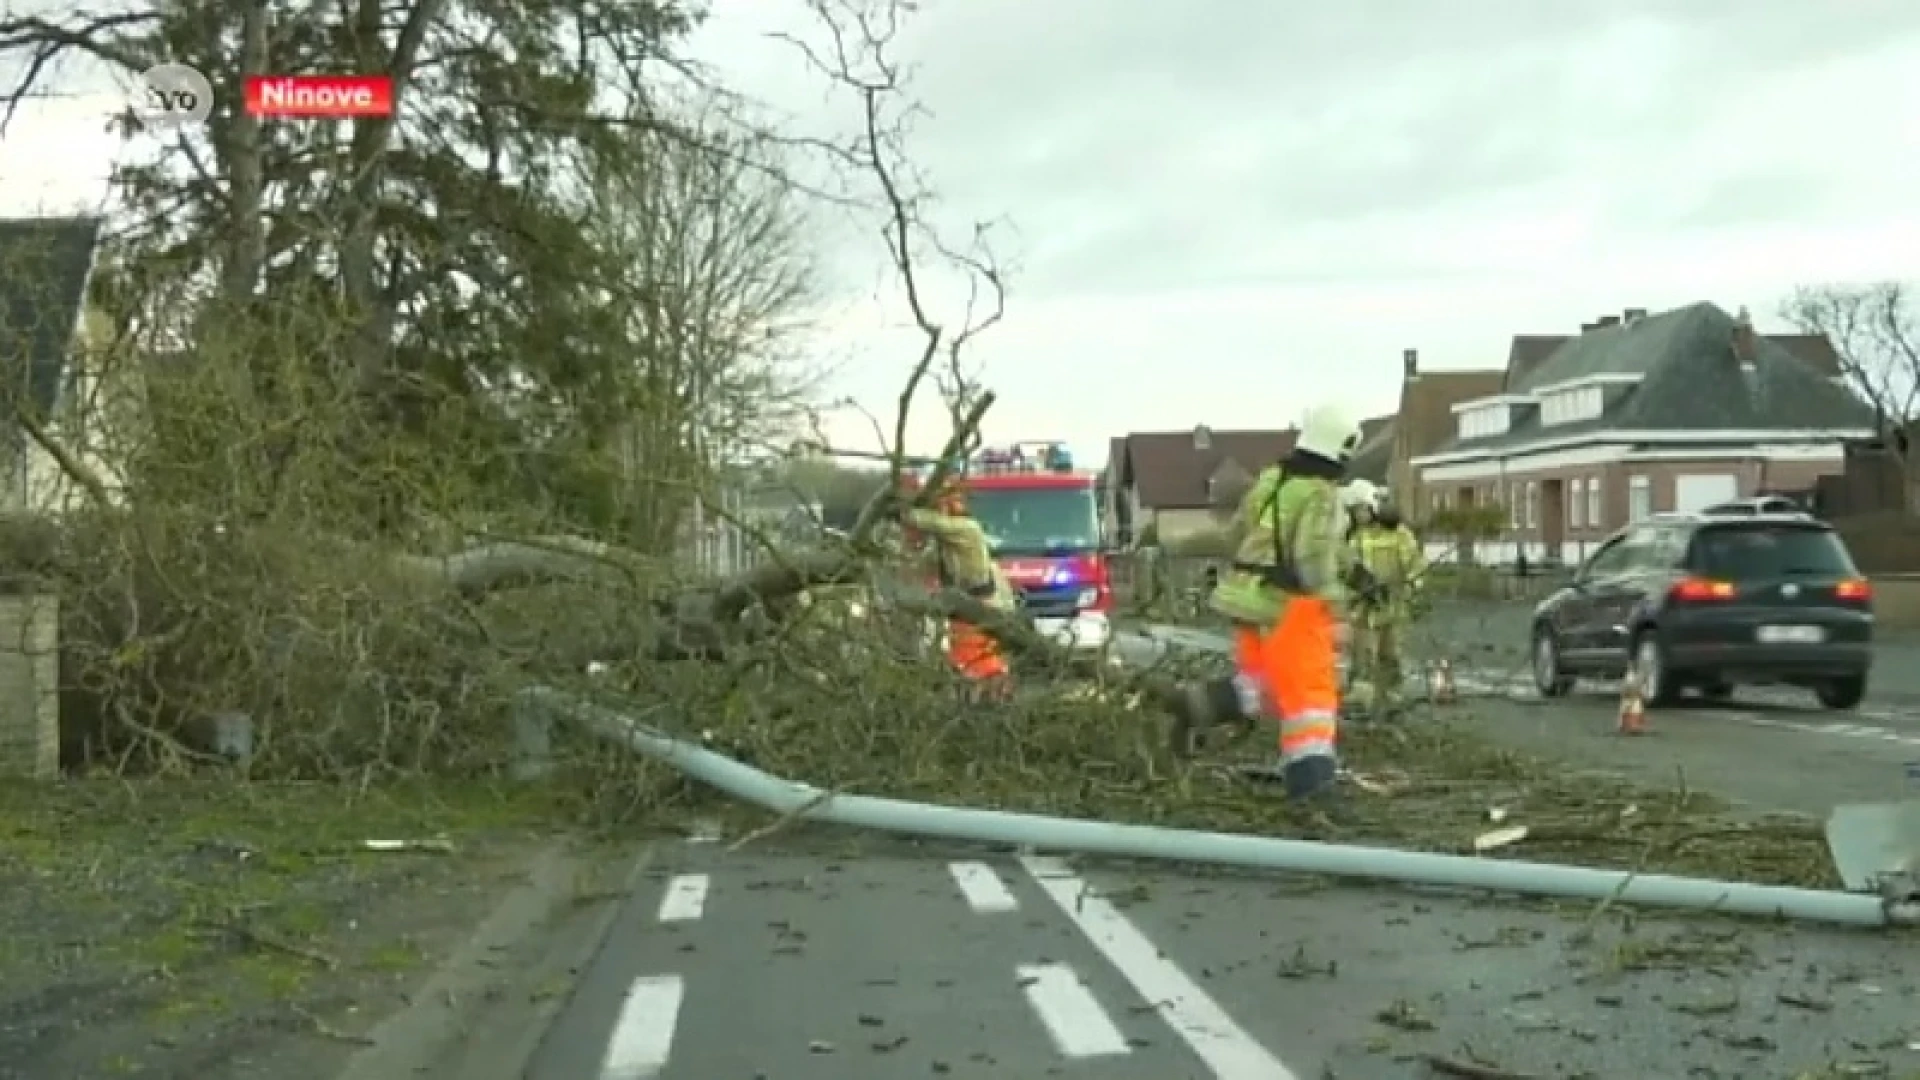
column 1754, row 477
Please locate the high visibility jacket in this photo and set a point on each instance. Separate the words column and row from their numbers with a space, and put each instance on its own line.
column 1394, row 559
column 964, row 558
column 1291, row 541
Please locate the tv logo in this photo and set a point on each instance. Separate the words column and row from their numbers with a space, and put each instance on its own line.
column 169, row 97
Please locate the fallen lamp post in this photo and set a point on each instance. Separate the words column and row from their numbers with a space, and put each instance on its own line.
column 536, row 708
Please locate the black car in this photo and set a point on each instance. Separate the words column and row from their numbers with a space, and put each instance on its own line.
column 1705, row 602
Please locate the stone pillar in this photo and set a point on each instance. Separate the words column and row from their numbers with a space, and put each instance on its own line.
column 29, row 685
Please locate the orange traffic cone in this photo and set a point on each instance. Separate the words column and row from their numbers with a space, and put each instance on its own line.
column 1633, row 706
column 1440, row 682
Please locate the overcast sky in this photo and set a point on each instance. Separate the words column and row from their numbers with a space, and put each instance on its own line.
column 1223, row 210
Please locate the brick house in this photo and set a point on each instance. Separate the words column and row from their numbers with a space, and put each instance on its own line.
column 1179, row 481
column 1638, row 414
column 1424, row 421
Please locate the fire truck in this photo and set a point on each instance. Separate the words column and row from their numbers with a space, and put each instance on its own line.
column 1042, row 517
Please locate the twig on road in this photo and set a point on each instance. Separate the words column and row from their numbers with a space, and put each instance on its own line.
column 780, row 822
column 1447, row 1066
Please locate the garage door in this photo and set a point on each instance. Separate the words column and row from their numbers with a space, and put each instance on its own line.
column 1700, row 492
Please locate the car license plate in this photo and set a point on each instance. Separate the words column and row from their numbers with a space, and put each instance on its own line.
column 1792, row 635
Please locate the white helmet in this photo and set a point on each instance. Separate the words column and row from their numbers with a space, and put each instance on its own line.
column 1360, row 495
column 1328, row 432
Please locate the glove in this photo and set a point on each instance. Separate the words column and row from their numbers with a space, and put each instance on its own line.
column 1343, row 636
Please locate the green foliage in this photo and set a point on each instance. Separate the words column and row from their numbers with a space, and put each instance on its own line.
column 1468, row 523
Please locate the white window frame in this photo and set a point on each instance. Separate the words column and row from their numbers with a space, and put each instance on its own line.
column 1533, row 505
column 1513, row 505
column 1577, row 504
column 1639, row 499
column 1596, row 503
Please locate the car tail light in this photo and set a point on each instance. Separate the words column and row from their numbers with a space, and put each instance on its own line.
column 1855, row 589
column 1697, row 590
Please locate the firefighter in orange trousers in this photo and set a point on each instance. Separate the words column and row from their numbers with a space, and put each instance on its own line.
column 965, row 562
column 1287, row 599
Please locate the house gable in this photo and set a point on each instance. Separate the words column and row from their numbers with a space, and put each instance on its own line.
column 1677, row 376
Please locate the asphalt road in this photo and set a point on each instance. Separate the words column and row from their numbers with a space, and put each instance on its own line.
column 798, row 965
column 1773, row 748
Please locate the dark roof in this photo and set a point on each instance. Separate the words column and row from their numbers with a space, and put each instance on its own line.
column 1529, row 351
column 1372, row 427
column 1814, row 350
column 1690, row 380
column 1169, row 472
column 1375, row 454
column 44, row 263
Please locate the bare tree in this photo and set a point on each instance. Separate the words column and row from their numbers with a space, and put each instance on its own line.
column 1875, row 329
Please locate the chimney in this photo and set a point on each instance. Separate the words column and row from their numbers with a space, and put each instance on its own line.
column 1202, row 437
column 1410, row 363
column 1589, row 327
column 1633, row 315
column 1606, row 321
column 1743, row 339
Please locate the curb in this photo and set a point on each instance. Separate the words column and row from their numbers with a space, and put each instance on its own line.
column 483, row 1013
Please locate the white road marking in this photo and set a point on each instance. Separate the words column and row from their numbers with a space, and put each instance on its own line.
column 1223, row 1045
column 643, row 1034
column 1851, row 731
column 685, row 899
column 984, row 891
column 1079, row 1026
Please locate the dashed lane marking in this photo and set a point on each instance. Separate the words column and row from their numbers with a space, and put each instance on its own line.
column 1079, row 1027
column 1222, row 1044
column 685, row 898
column 985, row 893
column 643, row 1034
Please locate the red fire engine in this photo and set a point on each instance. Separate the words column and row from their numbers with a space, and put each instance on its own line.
column 1042, row 516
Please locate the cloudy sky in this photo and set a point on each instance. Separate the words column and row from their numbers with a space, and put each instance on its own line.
column 1222, row 210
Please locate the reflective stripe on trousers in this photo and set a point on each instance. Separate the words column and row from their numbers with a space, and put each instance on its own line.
column 1291, row 671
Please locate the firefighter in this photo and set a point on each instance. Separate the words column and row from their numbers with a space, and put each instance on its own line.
column 1286, row 596
column 1358, row 498
column 1396, row 567
column 965, row 562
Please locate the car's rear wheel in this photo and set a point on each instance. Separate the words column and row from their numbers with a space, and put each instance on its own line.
column 1548, row 677
column 1657, row 689
column 1842, row 693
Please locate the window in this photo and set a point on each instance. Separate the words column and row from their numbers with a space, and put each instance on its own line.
column 1610, row 559
column 1577, row 503
column 1639, row 498
column 1596, row 512
column 1752, row 550
column 1533, row 504
column 1037, row 521
column 1513, row 506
